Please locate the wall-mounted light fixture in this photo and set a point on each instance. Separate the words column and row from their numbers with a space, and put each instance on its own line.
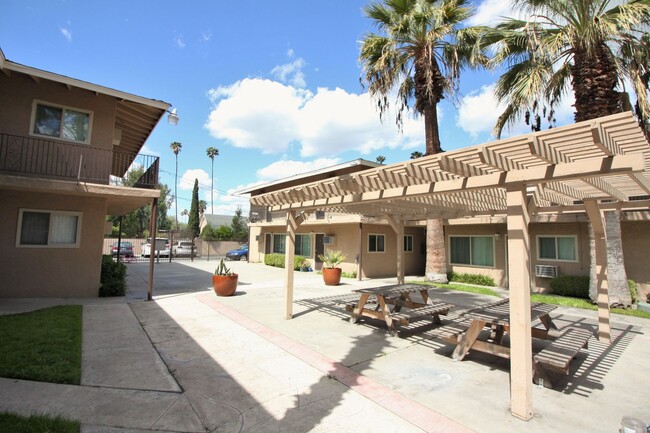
column 172, row 119
column 497, row 236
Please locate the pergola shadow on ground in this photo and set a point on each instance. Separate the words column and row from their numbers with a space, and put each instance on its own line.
column 590, row 167
column 587, row 372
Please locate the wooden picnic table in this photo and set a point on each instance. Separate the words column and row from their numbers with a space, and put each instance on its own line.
column 496, row 316
column 398, row 296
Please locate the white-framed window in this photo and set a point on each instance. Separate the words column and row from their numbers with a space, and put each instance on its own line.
column 48, row 229
column 557, row 248
column 279, row 242
column 472, row 250
column 60, row 122
column 303, row 245
column 376, row 243
column 408, row 243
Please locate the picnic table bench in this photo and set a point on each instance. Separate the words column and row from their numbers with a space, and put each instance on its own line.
column 398, row 296
column 452, row 331
column 558, row 355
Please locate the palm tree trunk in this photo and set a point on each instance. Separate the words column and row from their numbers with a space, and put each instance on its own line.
column 176, row 191
column 619, row 292
column 436, row 263
column 593, row 80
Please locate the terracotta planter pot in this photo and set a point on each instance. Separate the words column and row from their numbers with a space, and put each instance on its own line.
column 332, row 276
column 224, row 285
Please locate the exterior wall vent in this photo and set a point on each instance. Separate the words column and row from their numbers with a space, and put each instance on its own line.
column 545, row 271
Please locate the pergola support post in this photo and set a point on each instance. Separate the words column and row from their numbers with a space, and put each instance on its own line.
column 293, row 222
column 598, row 226
column 398, row 226
column 152, row 232
column 521, row 351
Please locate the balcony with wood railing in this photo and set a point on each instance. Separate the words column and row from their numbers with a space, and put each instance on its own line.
column 47, row 159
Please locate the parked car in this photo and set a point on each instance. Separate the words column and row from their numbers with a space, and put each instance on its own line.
column 183, row 248
column 240, row 253
column 126, row 249
column 162, row 244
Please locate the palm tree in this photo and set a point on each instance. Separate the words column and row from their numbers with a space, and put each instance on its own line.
column 417, row 154
column 381, row 159
column 203, row 205
column 420, row 53
column 184, row 213
column 176, row 148
column 584, row 46
column 212, row 152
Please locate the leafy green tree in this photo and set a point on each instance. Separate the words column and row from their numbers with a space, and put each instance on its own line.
column 194, row 221
column 420, row 53
column 164, row 222
column 416, row 155
column 224, row 233
column 381, row 159
column 239, row 227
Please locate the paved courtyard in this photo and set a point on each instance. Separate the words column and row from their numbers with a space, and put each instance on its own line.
column 190, row 361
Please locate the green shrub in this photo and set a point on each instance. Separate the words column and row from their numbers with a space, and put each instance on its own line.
column 349, row 274
column 113, row 278
column 576, row 286
column 634, row 291
column 277, row 260
column 478, row 279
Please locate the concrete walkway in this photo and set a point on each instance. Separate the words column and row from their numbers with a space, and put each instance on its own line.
column 192, row 362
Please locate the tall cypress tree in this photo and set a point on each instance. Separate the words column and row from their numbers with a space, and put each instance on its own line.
column 193, row 222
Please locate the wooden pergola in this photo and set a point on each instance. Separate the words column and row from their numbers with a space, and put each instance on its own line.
column 592, row 167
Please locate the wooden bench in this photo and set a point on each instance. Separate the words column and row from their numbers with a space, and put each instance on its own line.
column 451, row 332
column 434, row 309
column 558, row 355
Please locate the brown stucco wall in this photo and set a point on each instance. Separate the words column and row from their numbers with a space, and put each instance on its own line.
column 636, row 248
column 348, row 235
column 51, row 272
column 18, row 91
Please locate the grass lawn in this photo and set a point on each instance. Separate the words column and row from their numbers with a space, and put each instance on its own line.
column 43, row 345
column 10, row 422
column 462, row 288
column 564, row 301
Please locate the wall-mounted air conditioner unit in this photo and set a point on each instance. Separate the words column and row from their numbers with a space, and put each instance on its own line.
column 329, row 239
column 545, row 271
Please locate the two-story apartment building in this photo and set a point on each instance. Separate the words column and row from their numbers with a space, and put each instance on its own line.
column 64, row 145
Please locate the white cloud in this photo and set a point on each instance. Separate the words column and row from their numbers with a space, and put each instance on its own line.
column 206, row 36
column 286, row 168
column 255, row 114
column 187, row 179
column 491, row 12
column 262, row 114
column 179, row 41
column 479, row 112
column 67, row 34
column 290, row 72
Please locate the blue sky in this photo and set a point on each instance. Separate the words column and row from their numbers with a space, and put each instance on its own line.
column 274, row 85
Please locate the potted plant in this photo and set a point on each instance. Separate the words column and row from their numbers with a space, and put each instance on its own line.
column 331, row 271
column 224, row 281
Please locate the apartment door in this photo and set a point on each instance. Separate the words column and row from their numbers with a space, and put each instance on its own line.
column 319, row 249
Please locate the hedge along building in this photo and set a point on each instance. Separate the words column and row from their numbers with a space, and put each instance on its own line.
column 590, row 167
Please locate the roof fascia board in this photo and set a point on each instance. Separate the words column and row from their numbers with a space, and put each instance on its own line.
column 16, row 67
